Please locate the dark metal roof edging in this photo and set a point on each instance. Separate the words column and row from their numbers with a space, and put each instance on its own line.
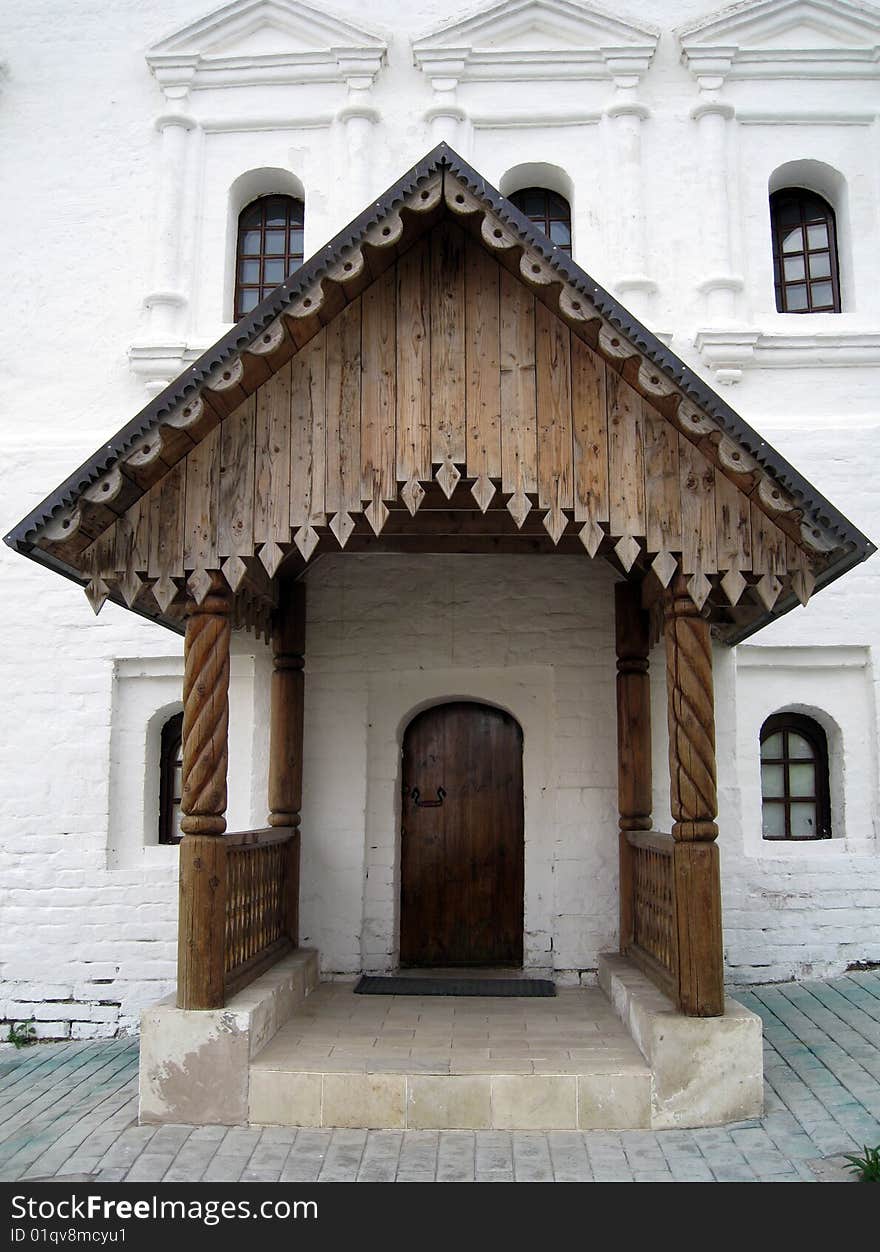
column 439, row 159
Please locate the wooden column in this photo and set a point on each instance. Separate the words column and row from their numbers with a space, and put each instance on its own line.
column 286, row 730
column 634, row 780
column 697, row 881
column 202, row 914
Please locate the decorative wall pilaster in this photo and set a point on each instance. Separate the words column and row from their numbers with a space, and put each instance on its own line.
column 359, row 117
column 625, row 115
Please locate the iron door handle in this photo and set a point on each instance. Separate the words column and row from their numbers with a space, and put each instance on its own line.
column 428, row 804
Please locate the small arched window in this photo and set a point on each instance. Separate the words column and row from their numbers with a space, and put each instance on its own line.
column 270, row 247
column 805, row 269
column 794, row 778
column 550, row 211
column 170, row 779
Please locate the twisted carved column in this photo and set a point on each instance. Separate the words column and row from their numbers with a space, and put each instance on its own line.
column 206, row 712
column 697, row 882
column 201, row 939
column 634, row 775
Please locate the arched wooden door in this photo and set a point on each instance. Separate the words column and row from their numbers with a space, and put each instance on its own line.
column 461, row 897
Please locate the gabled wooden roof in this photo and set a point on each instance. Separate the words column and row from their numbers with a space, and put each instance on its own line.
column 439, row 373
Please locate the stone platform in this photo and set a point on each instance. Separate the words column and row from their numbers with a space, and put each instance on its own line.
column 436, row 1063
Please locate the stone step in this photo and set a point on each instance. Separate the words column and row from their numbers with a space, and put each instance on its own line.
column 377, row 1062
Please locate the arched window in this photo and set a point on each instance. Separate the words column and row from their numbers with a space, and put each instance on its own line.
column 550, row 211
column 270, row 247
column 805, row 269
column 170, row 778
column 794, row 778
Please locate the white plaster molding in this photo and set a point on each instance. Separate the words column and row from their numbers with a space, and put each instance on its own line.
column 263, row 42
column 730, row 351
column 157, row 364
column 536, row 39
column 785, row 39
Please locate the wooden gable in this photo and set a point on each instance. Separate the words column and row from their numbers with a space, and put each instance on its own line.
column 440, row 384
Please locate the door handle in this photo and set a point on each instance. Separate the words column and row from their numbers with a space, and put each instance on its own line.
column 427, row 804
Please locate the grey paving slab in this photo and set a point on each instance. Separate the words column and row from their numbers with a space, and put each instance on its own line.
column 68, row 1110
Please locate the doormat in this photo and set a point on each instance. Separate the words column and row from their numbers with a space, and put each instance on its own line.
column 405, row 986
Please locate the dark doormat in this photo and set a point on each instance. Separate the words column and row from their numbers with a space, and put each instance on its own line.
column 415, row 986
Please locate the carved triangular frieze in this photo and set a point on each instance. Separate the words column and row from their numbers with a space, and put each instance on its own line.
column 664, row 566
column 199, row 584
column 376, row 514
column 271, row 556
column 448, row 476
column 519, row 506
column 802, row 583
column 165, row 592
column 234, row 571
column 627, row 551
column 131, row 587
column 733, row 585
column 412, row 495
column 591, row 535
column 342, row 526
column 555, row 523
column 483, row 492
column 306, row 539
column 699, row 588
column 768, row 590
column 97, row 592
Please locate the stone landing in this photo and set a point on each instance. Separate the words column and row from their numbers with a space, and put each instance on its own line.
column 437, row 1063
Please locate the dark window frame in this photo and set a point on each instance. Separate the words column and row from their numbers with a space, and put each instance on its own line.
column 555, row 208
column 809, row 729
column 810, row 210
column 170, row 759
column 254, row 219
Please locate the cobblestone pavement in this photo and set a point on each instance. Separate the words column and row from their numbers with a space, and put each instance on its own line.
column 70, row 1109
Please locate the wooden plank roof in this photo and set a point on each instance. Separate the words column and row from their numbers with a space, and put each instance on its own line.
column 439, row 373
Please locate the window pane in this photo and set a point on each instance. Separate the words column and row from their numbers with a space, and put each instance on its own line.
column 799, row 748
column 252, row 215
column 774, row 820
column 176, row 815
column 532, row 202
column 275, row 241
column 296, row 243
column 803, row 820
column 802, row 779
column 249, row 271
column 772, row 746
column 796, row 297
column 794, row 268
column 789, row 213
column 276, row 212
column 250, row 244
column 177, row 782
column 823, row 295
column 793, row 241
column 560, row 233
column 249, row 300
column 820, row 264
column 817, row 236
column 772, row 780
column 274, row 272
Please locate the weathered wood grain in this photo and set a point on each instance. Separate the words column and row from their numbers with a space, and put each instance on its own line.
column 518, row 393
column 482, row 363
column 698, row 536
column 343, row 489
column 626, row 457
column 414, row 363
column 553, row 357
column 662, row 492
column 379, row 383
column 236, row 515
column 590, row 433
column 307, row 440
column 448, row 405
column 202, row 503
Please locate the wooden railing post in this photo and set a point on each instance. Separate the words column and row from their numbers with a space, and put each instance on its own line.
column 202, row 914
column 286, row 730
column 634, row 780
column 696, row 877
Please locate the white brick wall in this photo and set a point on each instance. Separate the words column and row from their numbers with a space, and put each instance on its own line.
column 88, row 912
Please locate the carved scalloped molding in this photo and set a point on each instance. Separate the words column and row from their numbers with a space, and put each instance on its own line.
column 532, row 39
column 786, row 38
column 278, row 41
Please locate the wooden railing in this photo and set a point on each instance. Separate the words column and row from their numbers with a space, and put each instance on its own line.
column 654, row 944
column 262, row 902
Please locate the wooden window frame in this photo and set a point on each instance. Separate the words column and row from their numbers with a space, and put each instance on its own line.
column 170, row 755
column 549, row 215
column 807, row 217
column 291, row 257
column 807, row 728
